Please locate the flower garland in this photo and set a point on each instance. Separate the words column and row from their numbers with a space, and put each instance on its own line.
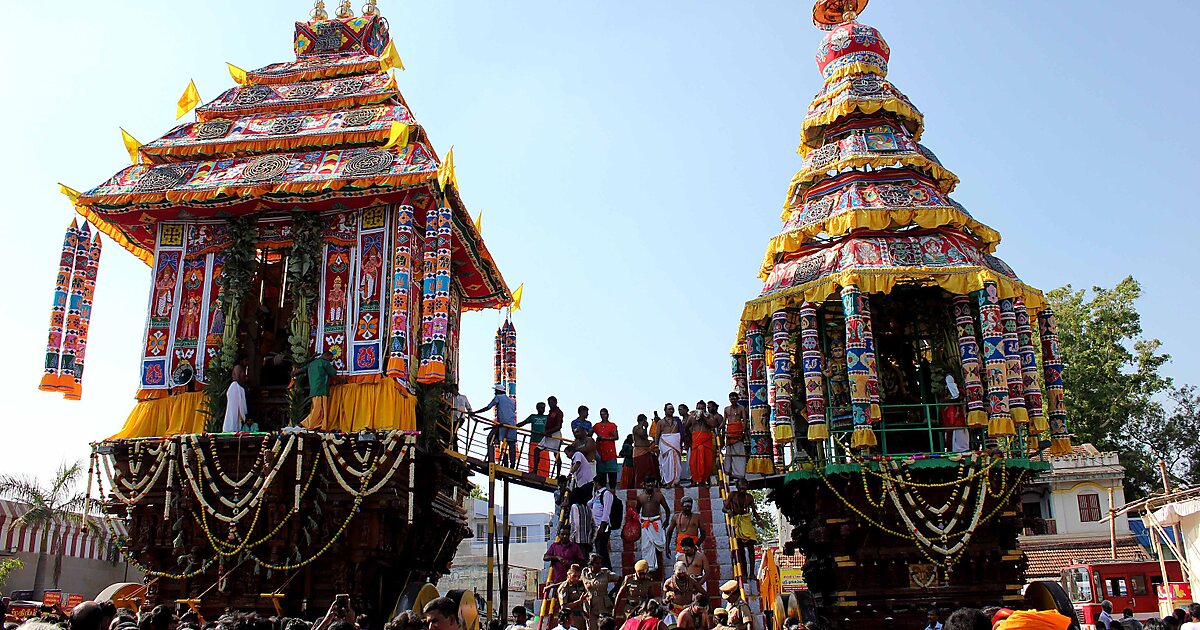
column 312, row 473
column 337, row 463
column 865, row 464
column 246, row 503
column 138, row 491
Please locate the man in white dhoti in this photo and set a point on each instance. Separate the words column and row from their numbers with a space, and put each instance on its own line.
column 669, row 442
column 235, row 400
column 654, row 512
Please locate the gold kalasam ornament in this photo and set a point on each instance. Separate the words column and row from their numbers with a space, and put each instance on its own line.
column 345, row 11
column 370, row 8
column 830, row 13
column 318, row 12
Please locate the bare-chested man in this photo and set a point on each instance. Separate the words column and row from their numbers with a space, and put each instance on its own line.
column 644, row 462
column 739, row 505
column 685, row 524
column 655, row 513
column 700, row 427
column 634, row 591
column 670, row 446
column 697, row 563
column 735, row 438
column 695, row 617
column 680, row 589
column 717, row 422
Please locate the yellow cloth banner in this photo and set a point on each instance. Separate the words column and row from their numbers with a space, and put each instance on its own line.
column 131, row 145
column 517, row 295
column 71, row 193
column 237, row 73
column 390, row 58
column 479, row 222
column 382, row 405
column 446, row 171
column 397, row 136
column 188, row 101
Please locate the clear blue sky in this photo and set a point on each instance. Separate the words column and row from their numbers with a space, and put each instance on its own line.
column 630, row 159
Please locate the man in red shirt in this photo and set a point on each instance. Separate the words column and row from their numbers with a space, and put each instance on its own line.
column 607, row 465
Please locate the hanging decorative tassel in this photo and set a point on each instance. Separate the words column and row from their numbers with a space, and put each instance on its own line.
column 435, row 318
column 75, row 313
column 510, row 358
column 402, row 275
column 857, row 369
column 814, row 375
column 85, row 318
column 1033, row 392
column 1012, row 361
column 995, row 365
column 781, row 341
column 52, row 378
column 1060, row 438
column 761, row 449
column 968, row 350
column 870, row 359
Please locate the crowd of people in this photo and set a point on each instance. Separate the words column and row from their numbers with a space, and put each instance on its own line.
column 997, row 618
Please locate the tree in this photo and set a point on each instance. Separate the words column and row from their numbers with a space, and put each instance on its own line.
column 764, row 521
column 51, row 507
column 1114, row 389
column 8, row 566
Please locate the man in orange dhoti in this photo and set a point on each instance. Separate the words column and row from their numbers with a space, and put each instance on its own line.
column 700, row 425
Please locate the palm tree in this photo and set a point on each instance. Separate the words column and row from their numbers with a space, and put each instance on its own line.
column 51, row 508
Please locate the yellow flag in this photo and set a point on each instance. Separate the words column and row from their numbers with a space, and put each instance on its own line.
column 446, row 171
column 131, row 145
column 391, row 84
column 71, row 193
column 398, row 136
column 237, row 73
column 188, row 101
column 517, row 295
column 479, row 222
column 390, row 58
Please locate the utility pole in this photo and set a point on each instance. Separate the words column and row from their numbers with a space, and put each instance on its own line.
column 1112, row 526
column 504, row 559
column 491, row 542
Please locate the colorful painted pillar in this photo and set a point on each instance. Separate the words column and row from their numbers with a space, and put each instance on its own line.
column 1012, row 361
column 869, row 357
column 1060, row 438
column 858, row 369
column 814, row 377
column 435, row 316
column 781, row 342
column 402, row 286
column 52, row 379
column 1033, row 392
column 995, row 366
column 968, row 351
column 85, row 317
column 760, row 461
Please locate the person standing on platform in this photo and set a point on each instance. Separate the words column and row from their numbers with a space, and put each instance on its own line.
column 320, row 371
column 537, row 430
column 700, row 427
column 235, row 399
column 552, row 442
column 460, row 408
column 954, row 419
column 607, row 465
column 581, row 421
column 626, row 456
column 685, row 524
column 645, row 464
column 583, row 466
column 717, row 422
column 670, row 446
column 739, row 505
column 601, row 506
column 735, row 439
column 506, row 423
column 654, row 512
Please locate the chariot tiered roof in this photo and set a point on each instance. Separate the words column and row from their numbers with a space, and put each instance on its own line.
column 304, row 134
column 871, row 206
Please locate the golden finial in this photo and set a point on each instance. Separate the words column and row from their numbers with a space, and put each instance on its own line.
column 370, row 8
column 318, row 12
column 345, row 11
column 829, row 13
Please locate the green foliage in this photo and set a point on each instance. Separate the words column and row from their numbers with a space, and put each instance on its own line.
column 8, row 567
column 477, row 493
column 303, row 282
column 241, row 263
column 764, row 516
column 52, row 505
column 1115, row 393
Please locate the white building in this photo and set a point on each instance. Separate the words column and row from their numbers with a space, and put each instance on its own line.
column 1065, row 509
column 529, row 535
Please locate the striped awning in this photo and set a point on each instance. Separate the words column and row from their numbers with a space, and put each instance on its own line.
column 99, row 544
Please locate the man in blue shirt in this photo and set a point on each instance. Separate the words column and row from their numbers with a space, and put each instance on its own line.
column 506, row 419
column 582, row 422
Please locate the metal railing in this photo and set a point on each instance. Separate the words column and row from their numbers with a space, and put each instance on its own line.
column 510, row 447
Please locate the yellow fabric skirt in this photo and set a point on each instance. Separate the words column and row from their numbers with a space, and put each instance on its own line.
column 382, row 405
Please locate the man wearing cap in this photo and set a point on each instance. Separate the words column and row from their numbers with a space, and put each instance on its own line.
column 722, row 618
column 740, row 615
column 506, row 423
column 634, row 591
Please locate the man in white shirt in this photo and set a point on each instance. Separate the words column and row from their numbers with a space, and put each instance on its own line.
column 462, row 407
column 1104, row 622
column 1193, row 618
column 564, row 621
column 520, row 617
column 601, row 506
